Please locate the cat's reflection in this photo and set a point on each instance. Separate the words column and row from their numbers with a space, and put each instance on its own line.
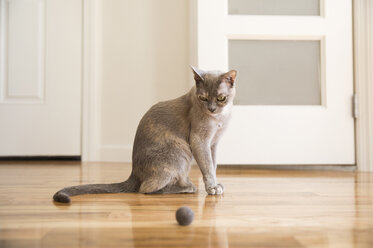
column 203, row 231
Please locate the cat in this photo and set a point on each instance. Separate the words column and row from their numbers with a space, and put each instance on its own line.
column 170, row 135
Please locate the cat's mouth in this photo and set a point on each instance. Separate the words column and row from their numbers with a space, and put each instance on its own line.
column 212, row 113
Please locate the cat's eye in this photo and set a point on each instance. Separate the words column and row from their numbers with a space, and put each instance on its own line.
column 202, row 98
column 221, row 98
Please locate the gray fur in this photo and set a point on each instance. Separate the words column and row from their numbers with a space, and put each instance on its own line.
column 170, row 135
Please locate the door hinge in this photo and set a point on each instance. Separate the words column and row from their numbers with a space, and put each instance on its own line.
column 355, row 111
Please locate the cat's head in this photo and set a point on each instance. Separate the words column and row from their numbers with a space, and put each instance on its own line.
column 214, row 90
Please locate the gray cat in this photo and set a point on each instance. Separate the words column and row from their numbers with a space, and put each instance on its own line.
column 170, row 135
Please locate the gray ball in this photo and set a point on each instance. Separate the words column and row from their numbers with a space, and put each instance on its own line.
column 184, row 216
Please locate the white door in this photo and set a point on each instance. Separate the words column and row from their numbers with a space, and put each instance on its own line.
column 40, row 77
column 294, row 81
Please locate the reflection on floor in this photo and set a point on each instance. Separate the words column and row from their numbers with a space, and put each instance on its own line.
column 260, row 208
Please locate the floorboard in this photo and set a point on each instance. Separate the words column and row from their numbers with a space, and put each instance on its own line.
column 260, row 208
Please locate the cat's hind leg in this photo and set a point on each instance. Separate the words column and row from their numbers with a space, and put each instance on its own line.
column 183, row 185
column 168, row 179
column 155, row 183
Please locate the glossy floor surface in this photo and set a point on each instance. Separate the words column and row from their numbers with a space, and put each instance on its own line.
column 260, row 208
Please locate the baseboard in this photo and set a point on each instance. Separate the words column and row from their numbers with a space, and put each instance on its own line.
column 305, row 167
column 115, row 153
column 40, row 158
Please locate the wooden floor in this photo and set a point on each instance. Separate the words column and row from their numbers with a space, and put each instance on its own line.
column 258, row 209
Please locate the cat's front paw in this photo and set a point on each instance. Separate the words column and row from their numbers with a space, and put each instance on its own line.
column 215, row 190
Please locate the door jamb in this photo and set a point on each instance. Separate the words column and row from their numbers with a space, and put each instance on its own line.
column 363, row 77
column 91, row 100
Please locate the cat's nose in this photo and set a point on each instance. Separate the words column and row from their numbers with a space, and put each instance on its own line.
column 212, row 110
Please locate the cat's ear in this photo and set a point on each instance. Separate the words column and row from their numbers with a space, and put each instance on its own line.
column 197, row 74
column 230, row 77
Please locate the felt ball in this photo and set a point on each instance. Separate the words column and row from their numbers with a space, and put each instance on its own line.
column 184, row 216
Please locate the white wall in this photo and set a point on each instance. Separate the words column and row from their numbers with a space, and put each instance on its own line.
column 143, row 59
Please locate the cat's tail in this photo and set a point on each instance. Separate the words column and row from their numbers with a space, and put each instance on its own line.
column 130, row 185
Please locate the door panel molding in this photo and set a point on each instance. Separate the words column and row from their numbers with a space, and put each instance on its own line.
column 22, row 51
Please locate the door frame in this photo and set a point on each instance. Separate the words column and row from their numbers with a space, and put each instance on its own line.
column 91, row 100
column 363, row 82
column 363, row 77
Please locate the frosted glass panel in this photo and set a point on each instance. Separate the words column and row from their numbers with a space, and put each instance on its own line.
column 276, row 72
column 274, row 7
